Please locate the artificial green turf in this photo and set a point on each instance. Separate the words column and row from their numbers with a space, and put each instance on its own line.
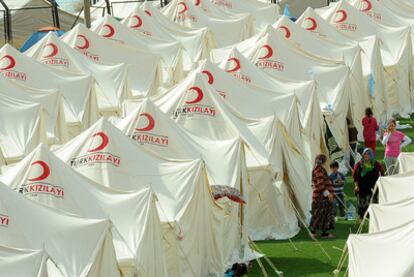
column 308, row 259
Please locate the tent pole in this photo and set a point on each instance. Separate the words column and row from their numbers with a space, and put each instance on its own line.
column 87, row 12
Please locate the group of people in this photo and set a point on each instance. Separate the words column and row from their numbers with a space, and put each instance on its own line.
column 328, row 189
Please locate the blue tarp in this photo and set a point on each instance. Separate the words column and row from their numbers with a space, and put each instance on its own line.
column 36, row 36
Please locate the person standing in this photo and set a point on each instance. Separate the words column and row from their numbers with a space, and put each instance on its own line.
column 365, row 174
column 393, row 140
column 370, row 124
column 338, row 182
column 322, row 198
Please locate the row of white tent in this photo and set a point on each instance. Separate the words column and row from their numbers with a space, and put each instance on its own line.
column 386, row 249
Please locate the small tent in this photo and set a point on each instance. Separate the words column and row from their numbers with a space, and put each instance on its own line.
column 395, row 188
column 79, row 100
column 144, row 74
column 77, row 246
column 406, row 162
column 105, row 155
column 110, row 80
column 136, row 228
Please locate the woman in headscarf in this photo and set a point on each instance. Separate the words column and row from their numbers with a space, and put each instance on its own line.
column 366, row 173
column 322, row 200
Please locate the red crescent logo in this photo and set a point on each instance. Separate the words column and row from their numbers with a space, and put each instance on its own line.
column 268, row 53
column 54, row 50
column 85, row 44
column 11, row 63
column 148, row 12
column 139, row 23
column 103, row 144
column 236, row 66
column 368, row 7
column 45, row 171
column 314, row 24
column 111, row 31
column 199, row 97
column 209, row 76
column 184, row 5
column 287, row 31
column 343, row 17
column 197, row 2
column 151, row 123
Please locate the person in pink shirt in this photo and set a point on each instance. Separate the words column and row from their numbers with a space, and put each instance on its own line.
column 393, row 140
column 370, row 124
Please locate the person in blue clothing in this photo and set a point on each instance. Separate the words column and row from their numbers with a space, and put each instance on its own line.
column 338, row 181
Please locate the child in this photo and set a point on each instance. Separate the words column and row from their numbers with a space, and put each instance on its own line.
column 338, row 181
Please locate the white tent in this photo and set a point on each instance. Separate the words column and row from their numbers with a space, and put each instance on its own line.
column 396, row 50
column 240, row 97
column 196, row 106
column 372, row 65
column 387, row 216
column 22, row 131
column 383, row 15
column 110, row 79
column 79, row 99
column 171, row 53
column 263, row 13
column 308, row 101
column 136, row 227
column 144, row 74
column 154, row 130
column 197, row 42
column 51, row 102
column 382, row 254
column 270, row 52
column 400, row 7
column 395, row 188
column 78, row 246
column 406, row 162
column 23, row 262
column 26, row 20
column 349, row 54
column 227, row 29
column 192, row 222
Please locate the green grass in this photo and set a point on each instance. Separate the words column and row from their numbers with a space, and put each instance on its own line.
column 308, row 259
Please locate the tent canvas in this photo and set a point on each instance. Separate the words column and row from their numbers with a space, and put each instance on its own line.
column 79, row 99
column 382, row 254
column 395, row 188
column 135, row 227
column 305, row 91
column 17, row 142
column 406, row 162
column 170, row 52
column 228, row 30
column 372, row 65
column 196, row 106
column 387, row 216
column 263, row 13
column 143, row 67
column 78, row 246
column 23, row 262
column 270, row 52
column 110, row 79
column 154, row 130
column 349, row 54
column 51, row 102
column 105, row 155
column 396, row 50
